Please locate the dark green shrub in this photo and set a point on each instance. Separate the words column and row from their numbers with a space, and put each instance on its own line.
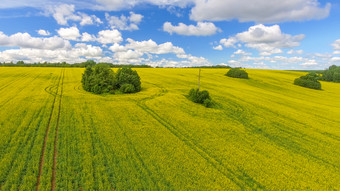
column 207, row 103
column 128, row 76
column 309, row 81
column 237, row 73
column 201, row 97
column 127, row 88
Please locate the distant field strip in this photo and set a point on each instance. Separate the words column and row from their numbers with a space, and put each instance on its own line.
column 263, row 133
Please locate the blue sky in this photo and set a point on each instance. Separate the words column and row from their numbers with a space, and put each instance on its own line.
column 291, row 34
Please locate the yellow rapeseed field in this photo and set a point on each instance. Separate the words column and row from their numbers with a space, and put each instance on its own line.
column 263, row 133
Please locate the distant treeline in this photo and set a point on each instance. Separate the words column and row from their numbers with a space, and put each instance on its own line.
column 89, row 63
column 64, row 64
column 214, row 66
column 332, row 74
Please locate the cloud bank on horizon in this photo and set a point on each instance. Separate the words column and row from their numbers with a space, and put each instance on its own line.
column 291, row 34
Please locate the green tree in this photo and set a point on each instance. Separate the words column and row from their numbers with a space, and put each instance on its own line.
column 90, row 63
column 237, row 73
column 20, row 62
column 336, row 76
column 98, row 79
column 128, row 76
column 331, row 74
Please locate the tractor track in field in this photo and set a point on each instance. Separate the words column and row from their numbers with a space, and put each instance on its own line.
column 239, row 177
column 41, row 163
column 55, row 152
column 79, row 89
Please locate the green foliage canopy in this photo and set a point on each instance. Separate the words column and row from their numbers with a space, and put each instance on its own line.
column 309, row 81
column 237, row 73
column 332, row 74
column 201, row 97
column 100, row 79
column 128, row 76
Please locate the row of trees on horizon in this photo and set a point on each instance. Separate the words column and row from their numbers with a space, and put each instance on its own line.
column 90, row 63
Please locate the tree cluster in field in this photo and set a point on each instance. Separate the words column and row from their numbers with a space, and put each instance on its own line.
column 64, row 64
column 201, row 97
column 100, row 79
column 309, row 81
column 237, row 73
column 332, row 74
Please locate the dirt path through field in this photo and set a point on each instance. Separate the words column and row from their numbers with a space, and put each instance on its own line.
column 60, row 82
column 55, row 153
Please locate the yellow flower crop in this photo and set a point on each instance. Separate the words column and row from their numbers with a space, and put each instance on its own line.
column 263, row 133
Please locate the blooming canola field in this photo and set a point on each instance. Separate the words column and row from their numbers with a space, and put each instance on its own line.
column 263, row 133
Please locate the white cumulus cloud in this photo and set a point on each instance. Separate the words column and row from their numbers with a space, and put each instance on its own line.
column 242, row 52
column 295, row 52
column 260, row 11
column 201, row 29
column 25, row 40
column 309, row 63
column 116, row 5
column 71, row 33
column 218, row 47
column 230, row 42
column 43, row 32
column 124, row 22
column 109, row 36
column 336, row 45
column 335, row 59
column 80, row 53
column 137, row 52
column 267, row 40
column 151, row 46
column 86, row 37
column 65, row 12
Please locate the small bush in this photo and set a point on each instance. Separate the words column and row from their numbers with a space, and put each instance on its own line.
column 237, row 73
column 309, row 81
column 201, row 97
column 127, row 88
column 207, row 103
